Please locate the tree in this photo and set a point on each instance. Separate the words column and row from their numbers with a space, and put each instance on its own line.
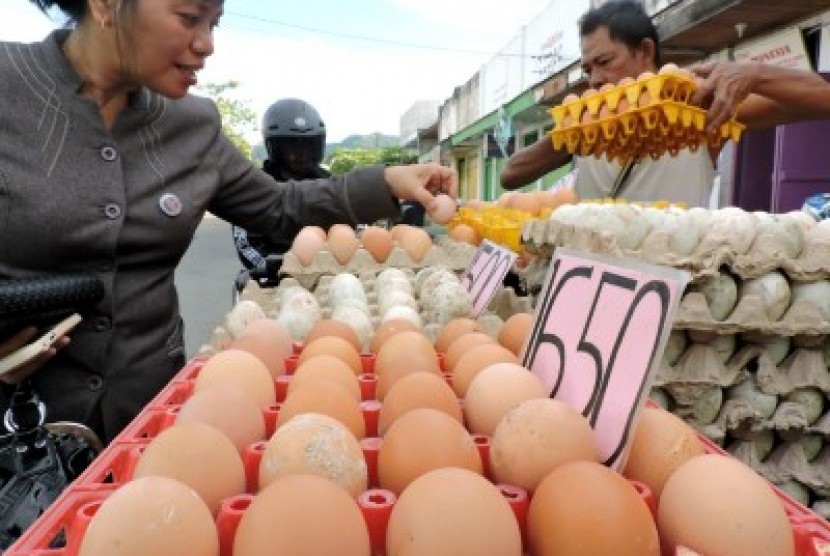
column 343, row 160
column 237, row 117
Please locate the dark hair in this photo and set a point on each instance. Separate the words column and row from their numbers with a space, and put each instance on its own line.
column 74, row 9
column 627, row 22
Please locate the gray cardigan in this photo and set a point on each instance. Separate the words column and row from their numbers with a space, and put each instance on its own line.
column 125, row 203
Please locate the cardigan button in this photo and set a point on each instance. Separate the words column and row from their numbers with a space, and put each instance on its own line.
column 94, row 383
column 112, row 211
column 108, row 153
column 101, row 324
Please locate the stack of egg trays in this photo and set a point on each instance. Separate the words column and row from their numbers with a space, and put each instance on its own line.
column 647, row 117
column 799, row 372
column 59, row 531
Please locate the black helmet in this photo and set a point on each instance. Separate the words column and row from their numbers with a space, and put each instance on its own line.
column 295, row 136
column 292, row 117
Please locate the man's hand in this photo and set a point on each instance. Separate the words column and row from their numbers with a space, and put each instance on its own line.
column 421, row 182
column 19, row 340
column 723, row 87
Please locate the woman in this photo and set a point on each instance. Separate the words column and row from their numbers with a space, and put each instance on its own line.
column 107, row 165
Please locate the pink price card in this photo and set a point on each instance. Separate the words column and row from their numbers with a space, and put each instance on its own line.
column 600, row 328
column 485, row 274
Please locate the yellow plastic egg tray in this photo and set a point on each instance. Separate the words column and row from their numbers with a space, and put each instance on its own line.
column 500, row 225
column 650, row 116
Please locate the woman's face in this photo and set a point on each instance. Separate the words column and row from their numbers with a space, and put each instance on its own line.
column 168, row 41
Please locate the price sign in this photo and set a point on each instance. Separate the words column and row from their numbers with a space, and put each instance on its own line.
column 485, row 274
column 599, row 332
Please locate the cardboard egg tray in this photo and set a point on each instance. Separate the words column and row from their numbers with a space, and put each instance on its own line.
column 647, row 117
column 504, row 304
column 456, row 256
column 699, row 378
column 810, row 261
column 59, row 531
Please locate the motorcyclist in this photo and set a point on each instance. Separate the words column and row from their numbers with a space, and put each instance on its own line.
column 295, row 138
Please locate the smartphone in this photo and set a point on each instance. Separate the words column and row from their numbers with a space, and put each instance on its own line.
column 39, row 346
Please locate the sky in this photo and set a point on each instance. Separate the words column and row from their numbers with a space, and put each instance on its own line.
column 361, row 63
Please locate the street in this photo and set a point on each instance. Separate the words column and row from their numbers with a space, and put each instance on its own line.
column 204, row 280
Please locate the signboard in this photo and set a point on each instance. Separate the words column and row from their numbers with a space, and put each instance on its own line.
column 485, row 274
column 785, row 49
column 599, row 332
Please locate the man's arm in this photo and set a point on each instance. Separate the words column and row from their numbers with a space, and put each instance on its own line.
column 531, row 163
column 762, row 95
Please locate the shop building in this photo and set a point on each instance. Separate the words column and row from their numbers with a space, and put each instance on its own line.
column 504, row 105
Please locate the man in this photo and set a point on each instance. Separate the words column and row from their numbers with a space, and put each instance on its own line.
column 619, row 40
column 295, row 139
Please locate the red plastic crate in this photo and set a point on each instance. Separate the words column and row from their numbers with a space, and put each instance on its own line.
column 67, row 517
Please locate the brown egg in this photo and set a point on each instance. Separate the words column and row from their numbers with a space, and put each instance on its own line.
column 263, row 350
column 715, row 504
column 418, row 390
column 526, row 202
column 404, row 353
column 389, row 328
column 307, row 243
column 199, row 456
column 336, row 347
column 585, row 509
column 469, row 517
column 496, row 390
column 416, row 242
column 327, row 368
column 398, row 231
column 420, row 441
column 342, row 243
column 475, row 361
column 302, row 514
column 314, row 444
column 443, row 209
column 401, row 364
column 515, row 332
column 241, row 369
column 662, row 442
column 378, row 242
column 452, row 330
column 330, row 327
column 566, row 195
column 326, row 398
column 180, row 522
column 465, row 234
column 462, row 345
column 535, row 438
column 272, row 332
column 240, row 418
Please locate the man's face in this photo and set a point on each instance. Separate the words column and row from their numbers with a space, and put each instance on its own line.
column 607, row 61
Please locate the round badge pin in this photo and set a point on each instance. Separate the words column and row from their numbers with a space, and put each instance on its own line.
column 170, row 204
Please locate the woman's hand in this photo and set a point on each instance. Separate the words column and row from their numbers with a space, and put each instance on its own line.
column 19, row 340
column 723, row 87
column 421, row 182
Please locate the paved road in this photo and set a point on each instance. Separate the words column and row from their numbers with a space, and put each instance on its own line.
column 205, row 281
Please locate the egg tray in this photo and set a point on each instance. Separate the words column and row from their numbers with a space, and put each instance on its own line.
column 647, row 117
column 456, row 256
column 501, row 226
column 764, row 252
column 702, row 368
column 504, row 304
column 59, row 531
column 697, row 378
